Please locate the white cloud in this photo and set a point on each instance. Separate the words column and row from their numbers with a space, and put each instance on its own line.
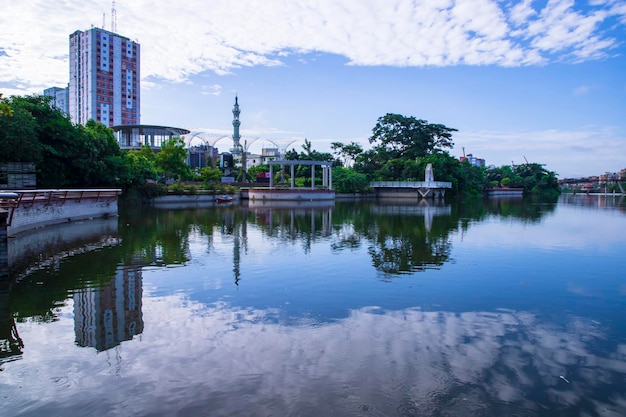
column 211, row 90
column 521, row 12
column 583, row 90
column 590, row 151
column 178, row 42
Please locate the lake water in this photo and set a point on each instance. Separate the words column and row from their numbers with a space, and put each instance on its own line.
column 494, row 308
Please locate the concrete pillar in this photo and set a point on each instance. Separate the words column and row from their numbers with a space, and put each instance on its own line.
column 330, row 177
column 312, row 177
column 271, row 176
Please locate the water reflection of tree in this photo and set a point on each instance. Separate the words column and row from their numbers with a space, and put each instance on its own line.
column 408, row 237
column 401, row 238
column 398, row 241
column 11, row 344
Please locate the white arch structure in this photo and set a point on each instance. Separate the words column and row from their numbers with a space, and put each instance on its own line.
column 282, row 145
column 208, row 139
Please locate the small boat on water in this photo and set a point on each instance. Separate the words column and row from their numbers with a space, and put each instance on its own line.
column 224, row 199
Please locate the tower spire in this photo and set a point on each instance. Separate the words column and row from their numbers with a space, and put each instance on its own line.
column 236, row 124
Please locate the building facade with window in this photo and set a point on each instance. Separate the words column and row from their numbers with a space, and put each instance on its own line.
column 104, row 78
column 60, row 98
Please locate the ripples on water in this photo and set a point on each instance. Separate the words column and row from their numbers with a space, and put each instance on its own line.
column 504, row 309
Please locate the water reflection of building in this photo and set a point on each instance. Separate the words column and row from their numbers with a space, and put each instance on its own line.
column 11, row 344
column 108, row 315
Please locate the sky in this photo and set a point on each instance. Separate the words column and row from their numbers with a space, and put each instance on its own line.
column 537, row 81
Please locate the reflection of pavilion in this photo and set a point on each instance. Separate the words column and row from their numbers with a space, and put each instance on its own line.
column 108, row 315
column 290, row 222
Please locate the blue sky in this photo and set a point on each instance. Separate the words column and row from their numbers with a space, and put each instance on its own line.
column 538, row 80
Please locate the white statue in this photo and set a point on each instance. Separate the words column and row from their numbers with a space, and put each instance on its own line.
column 429, row 177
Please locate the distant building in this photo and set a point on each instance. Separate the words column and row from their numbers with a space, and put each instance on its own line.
column 269, row 154
column 60, row 98
column 477, row 162
column 202, row 156
column 253, row 160
column 104, row 78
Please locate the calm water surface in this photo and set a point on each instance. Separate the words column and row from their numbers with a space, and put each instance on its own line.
column 496, row 308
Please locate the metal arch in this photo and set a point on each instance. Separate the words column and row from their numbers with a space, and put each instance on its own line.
column 188, row 138
column 207, row 141
column 282, row 149
column 248, row 142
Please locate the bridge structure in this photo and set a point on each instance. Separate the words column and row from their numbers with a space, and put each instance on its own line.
column 412, row 189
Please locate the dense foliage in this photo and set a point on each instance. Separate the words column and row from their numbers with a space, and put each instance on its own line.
column 66, row 155
column 69, row 155
column 532, row 177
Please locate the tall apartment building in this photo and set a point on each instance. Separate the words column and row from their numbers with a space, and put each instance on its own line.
column 104, row 78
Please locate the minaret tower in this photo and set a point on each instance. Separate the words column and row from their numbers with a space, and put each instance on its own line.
column 236, row 124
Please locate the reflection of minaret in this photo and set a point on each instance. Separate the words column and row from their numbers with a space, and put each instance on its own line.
column 236, row 256
column 106, row 316
column 236, row 124
column 240, row 241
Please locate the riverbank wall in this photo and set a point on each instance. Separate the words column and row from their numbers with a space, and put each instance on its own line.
column 288, row 194
column 33, row 209
column 183, row 201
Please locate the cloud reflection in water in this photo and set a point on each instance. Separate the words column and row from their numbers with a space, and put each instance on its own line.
column 195, row 359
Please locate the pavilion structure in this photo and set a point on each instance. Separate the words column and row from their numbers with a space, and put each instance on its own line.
column 327, row 172
column 136, row 136
column 275, row 194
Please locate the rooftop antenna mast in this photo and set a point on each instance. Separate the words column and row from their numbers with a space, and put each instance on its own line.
column 113, row 18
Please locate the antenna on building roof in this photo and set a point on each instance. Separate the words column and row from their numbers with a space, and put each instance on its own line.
column 104, row 20
column 113, row 18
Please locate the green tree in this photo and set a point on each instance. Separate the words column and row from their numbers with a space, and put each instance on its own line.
column 399, row 137
column 369, row 163
column 470, row 178
column 139, row 168
column 55, row 148
column 98, row 157
column 19, row 136
column 347, row 180
column 5, row 108
column 171, row 159
column 208, row 174
column 532, row 177
column 348, row 153
column 309, row 154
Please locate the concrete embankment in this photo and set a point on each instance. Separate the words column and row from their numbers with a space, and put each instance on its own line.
column 31, row 209
column 184, row 201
